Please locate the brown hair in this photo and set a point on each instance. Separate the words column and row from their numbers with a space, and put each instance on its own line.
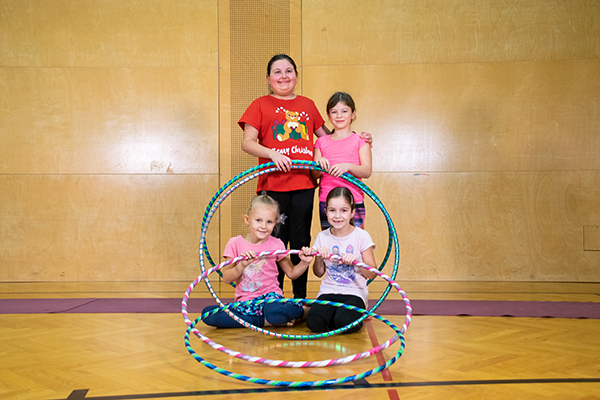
column 278, row 57
column 344, row 193
column 342, row 97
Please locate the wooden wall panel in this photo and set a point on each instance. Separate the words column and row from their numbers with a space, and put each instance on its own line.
column 106, row 33
column 109, row 120
column 357, row 32
column 485, row 117
column 503, row 226
column 252, row 33
column 109, row 138
column 472, row 117
column 103, row 227
column 485, row 121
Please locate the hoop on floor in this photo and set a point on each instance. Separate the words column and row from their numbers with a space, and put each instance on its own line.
column 299, row 364
column 326, row 382
column 262, row 169
column 214, row 204
column 283, row 363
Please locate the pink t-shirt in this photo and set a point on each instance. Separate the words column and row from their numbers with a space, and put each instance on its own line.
column 340, row 151
column 260, row 277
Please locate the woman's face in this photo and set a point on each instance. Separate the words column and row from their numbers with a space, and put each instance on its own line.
column 282, row 79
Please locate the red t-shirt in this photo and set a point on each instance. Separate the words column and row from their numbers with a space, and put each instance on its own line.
column 286, row 126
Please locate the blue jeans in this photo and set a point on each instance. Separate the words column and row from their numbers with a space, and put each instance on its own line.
column 274, row 313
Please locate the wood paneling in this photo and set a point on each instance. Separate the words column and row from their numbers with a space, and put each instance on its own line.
column 103, row 227
column 504, row 226
column 250, row 34
column 109, row 138
column 360, row 32
column 472, row 117
column 109, row 120
column 115, row 118
column 591, row 238
column 106, row 33
column 485, row 125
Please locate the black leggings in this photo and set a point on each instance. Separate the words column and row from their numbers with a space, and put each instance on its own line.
column 297, row 208
column 325, row 318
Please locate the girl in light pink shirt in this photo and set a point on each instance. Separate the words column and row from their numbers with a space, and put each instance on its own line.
column 256, row 277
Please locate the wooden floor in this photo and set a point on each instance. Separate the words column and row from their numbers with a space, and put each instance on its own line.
column 142, row 356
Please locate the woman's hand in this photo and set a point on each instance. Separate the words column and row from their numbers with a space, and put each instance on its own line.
column 283, row 163
column 367, row 137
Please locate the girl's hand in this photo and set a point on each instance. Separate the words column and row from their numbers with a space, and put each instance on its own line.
column 348, row 258
column 306, row 254
column 323, row 163
column 283, row 163
column 251, row 257
column 324, row 252
column 338, row 169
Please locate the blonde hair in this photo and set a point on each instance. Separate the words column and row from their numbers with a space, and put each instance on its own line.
column 264, row 200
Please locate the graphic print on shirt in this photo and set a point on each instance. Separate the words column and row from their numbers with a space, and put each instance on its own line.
column 292, row 125
column 342, row 273
column 252, row 276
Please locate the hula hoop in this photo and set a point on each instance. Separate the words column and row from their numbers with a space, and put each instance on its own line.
column 214, row 204
column 283, row 363
column 245, row 378
column 252, row 173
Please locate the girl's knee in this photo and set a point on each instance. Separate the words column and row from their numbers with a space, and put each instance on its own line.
column 344, row 319
column 282, row 313
column 315, row 325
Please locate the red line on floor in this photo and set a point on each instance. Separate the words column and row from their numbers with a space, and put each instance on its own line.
column 387, row 375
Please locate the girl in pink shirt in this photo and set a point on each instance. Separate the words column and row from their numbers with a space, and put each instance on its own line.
column 342, row 151
column 256, row 278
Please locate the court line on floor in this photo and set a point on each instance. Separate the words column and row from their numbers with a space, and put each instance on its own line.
column 386, row 373
column 80, row 394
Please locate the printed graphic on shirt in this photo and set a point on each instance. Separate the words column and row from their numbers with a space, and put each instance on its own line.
column 292, row 125
column 252, row 276
column 342, row 273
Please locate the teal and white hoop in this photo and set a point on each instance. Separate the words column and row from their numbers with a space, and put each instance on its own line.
column 252, row 173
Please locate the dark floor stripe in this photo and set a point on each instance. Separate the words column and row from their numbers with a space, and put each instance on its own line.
column 387, row 385
column 484, row 308
column 78, row 394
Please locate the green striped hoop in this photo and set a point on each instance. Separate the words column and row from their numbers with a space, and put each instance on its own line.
column 252, row 173
column 319, row 383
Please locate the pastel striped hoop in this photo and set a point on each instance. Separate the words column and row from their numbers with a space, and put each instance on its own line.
column 298, row 364
column 214, row 204
column 252, row 173
column 283, row 363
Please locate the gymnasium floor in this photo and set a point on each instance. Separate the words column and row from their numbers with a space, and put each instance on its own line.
column 141, row 355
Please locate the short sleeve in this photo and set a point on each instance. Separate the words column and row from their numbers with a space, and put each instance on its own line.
column 231, row 249
column 365, row 240
column 252, row 116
